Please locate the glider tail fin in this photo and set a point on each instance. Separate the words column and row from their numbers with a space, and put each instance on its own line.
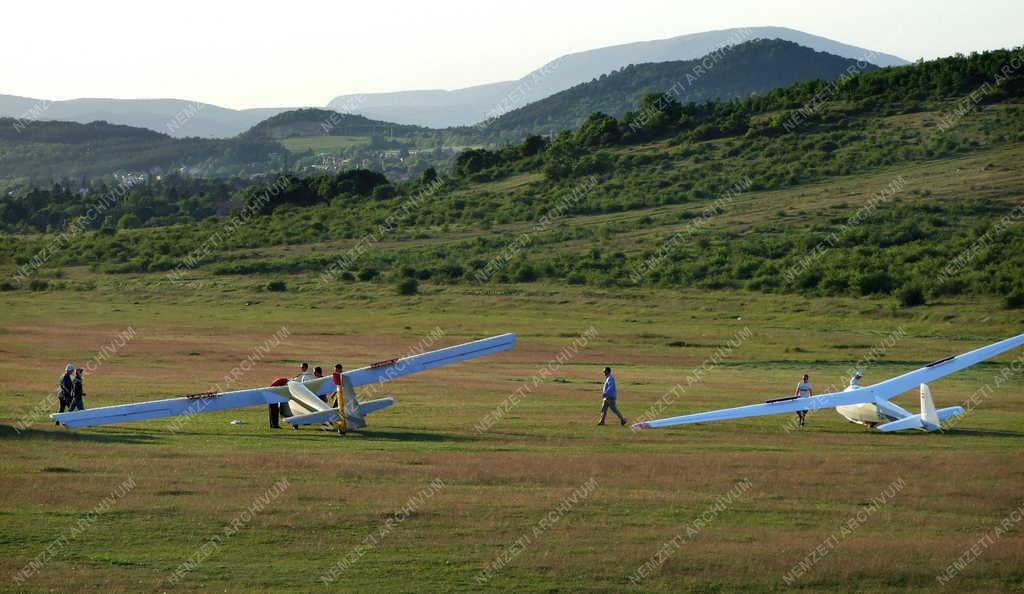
column 354, row 417
column 929, row 418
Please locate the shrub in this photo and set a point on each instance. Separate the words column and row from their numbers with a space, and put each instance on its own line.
column 384, row 192
column 875, row 282
column 38, row 284
column 7, row 286
column 526, row 274
column 409, row 286
column 911, row 296
column 277, row 286
column 1014, row 300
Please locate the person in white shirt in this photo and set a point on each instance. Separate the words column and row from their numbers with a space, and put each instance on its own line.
column 855, row 380
column 304, row 375
column 803, row 390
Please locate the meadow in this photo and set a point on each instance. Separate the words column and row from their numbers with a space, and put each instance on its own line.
column 492, row 475
column 323, row 143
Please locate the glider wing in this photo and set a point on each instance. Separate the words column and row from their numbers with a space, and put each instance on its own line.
column 171, row 407
column 395, row 368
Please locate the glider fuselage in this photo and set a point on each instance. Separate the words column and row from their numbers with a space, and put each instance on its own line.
column 863, row 414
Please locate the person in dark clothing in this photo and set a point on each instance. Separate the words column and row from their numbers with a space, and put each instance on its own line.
column 274, row 408
column 317, row 373
column 77, row 392
column 275, row 415
column 67, row 389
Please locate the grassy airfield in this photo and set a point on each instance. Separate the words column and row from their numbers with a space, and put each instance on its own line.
column 541, row 499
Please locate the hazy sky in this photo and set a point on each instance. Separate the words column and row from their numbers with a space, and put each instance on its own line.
column 302, row 52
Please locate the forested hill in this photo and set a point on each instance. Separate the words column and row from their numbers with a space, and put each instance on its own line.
column 326, row 122
column 730, row 73
column 33, row 150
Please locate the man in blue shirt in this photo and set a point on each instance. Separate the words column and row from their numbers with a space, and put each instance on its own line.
column 610, row 394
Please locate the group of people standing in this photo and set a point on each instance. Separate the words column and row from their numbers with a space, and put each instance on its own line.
column 304, row 375
column 70, row 394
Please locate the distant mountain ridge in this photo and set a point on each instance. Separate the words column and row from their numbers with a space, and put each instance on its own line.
column 174, row 117
column 431, row 108
column 734, row 72
column 461, row 107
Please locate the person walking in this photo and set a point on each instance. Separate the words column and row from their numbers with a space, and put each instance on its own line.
column 77, row 391
column 66, row 390
column 803, row 390
column 610, row 394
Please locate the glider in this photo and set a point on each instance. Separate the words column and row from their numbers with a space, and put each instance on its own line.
column 869, row 405
column 304, row 399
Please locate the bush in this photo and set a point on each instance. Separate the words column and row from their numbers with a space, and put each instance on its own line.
column 38, row 284
column 1014, row 300
column 129, row 221
column 368, row 274
column 8, row 286
column 277, row 286
column 526, row 274
column 874, row 283
column 409, row 286
column 911, row 296
column 384, row 192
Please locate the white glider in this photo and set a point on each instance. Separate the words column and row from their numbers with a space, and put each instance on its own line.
column 868, row 405
column 304, row 399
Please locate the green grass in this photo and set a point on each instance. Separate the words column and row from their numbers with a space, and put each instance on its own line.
column 498, row 485
column 323, row 143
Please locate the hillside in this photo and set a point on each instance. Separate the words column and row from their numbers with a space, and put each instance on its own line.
column 737, row 72
column 324, row 122
column 461, row 107
column 899, row 185
column 322, row 140
column 48, row 150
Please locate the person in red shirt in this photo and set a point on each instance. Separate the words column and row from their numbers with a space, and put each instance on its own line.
column 274, row 408
column 336, row 376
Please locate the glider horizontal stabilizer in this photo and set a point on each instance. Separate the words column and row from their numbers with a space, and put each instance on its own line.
column 331, row 414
